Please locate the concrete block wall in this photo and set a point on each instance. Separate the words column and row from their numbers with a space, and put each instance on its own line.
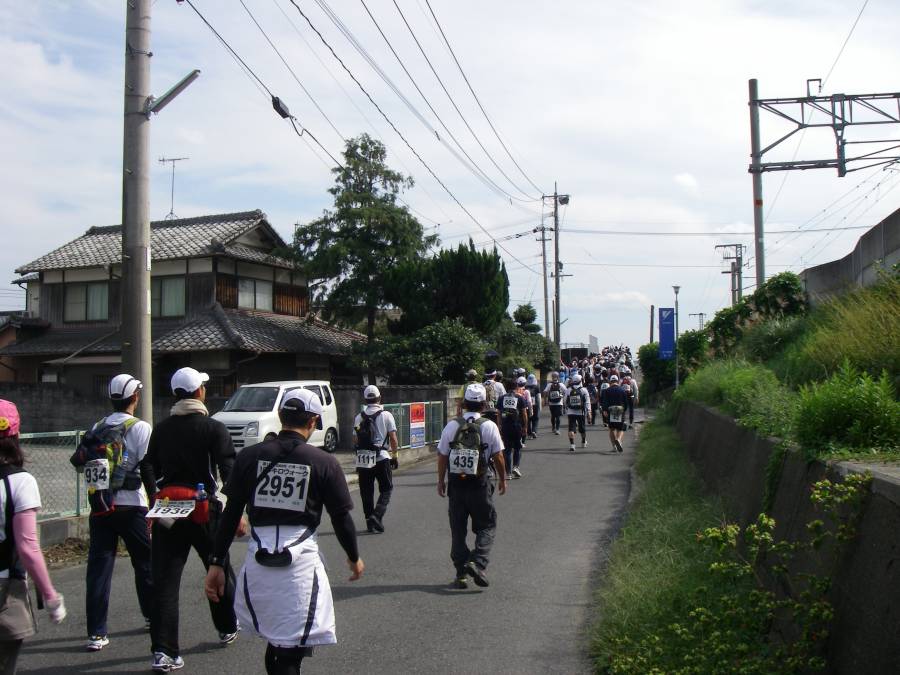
column 732, row 460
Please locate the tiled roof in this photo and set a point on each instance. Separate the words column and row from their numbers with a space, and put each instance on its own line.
column 255, row 255
column 34, row 276
column 216, row 329
column 169, row 239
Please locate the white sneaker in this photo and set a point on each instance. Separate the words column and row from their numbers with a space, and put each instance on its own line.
column 97, row 642
column 516, row 472
column 556, row 432
column 584, row 444
column 572, row 447
column 163, row 663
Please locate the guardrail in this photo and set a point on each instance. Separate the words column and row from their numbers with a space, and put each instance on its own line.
column 47, row 459
column 428, row 418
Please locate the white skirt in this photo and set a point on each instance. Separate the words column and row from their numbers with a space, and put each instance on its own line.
column 288, row 606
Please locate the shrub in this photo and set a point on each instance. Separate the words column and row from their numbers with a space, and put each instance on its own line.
column 766, row 340
column 656, row 374
column 850, row 409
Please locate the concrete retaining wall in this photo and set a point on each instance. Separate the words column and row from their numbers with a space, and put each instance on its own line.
column 732, row 461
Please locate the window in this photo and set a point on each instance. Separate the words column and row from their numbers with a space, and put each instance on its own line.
column 255, row 294
column 167, row 296
column 328, row 398
column 86, row 302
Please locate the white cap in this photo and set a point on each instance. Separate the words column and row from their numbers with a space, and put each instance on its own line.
column 521, row 380
column 613, row 378
column 475, row 392
column 302, row 400
column 576, row 379
column 371, row 392
column 188, row 379
column 123, row 386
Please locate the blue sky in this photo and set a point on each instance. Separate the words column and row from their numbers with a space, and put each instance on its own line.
column 638, row 110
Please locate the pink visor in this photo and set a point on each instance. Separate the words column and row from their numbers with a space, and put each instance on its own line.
column 9, row 419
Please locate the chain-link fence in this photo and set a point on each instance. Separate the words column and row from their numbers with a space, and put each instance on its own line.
column 408, row 414
column 47, row 459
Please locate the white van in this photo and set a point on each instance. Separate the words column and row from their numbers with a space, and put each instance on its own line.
column 251, row 414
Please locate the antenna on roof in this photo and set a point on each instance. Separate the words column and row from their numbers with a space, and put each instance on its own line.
column 162, row 160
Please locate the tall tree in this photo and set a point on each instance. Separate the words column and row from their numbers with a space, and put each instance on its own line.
column 461, row 283
column 351, row 247
column 525, row 316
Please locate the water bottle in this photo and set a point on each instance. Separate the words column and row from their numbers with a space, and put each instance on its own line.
column 201, row 509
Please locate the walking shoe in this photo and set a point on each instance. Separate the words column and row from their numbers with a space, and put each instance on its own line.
column 619, row 446
column 477, row 574
column 163, row 663
column 556, row 432
column 227, row 638
column 516, row 472
column 376, row 522
column 509, row 476
column 571, row 447
column 461, row 583
column 97, row 642
column 584, row 443
column 369, row 526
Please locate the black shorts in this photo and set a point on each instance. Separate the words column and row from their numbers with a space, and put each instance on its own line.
column 512, row 438
column 576, row 423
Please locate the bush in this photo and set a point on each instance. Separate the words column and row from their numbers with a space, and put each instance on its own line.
column 850, row 409
column 656, row 374
column 766, row 340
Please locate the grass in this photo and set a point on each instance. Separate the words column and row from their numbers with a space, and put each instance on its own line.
column 656, row 567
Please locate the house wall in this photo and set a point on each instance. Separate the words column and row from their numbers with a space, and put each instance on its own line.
column 7, row 364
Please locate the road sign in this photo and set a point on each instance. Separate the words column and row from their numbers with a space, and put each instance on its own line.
column 666, row 333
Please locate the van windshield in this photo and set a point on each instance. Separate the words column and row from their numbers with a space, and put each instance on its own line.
column 252, row 399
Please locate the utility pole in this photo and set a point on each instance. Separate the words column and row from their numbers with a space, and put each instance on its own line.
column 736, row 269
column 543, row 230
column 652, row 317
column 163, row 160
column 676, row 289
column 755, row 162
column 136, row 204
column 700, row 319
column 557, row 266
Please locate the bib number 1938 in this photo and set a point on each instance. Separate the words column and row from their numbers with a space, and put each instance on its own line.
column 284, row 487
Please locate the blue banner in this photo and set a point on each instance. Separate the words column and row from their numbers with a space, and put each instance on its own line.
column 666, row 333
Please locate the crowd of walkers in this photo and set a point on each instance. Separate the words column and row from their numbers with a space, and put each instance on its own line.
column 180, row 485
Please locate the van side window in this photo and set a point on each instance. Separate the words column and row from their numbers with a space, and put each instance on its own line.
column 317, row 390
column 328, row 398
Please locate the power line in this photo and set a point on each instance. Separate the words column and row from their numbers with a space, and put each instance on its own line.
column 643, row 233
column 844, row 46
column 477, row 100
column 403, row 138
column 456, row 107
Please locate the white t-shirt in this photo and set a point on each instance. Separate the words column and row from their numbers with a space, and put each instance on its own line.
column 580, row 409
column 136, row 440
column 490, row 436
column 25, row 496
column 562, row 391
column 383, row 425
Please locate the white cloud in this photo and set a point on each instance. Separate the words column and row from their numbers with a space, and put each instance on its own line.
column 687, row 181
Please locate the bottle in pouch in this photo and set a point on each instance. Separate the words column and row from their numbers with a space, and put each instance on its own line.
column 201, row 509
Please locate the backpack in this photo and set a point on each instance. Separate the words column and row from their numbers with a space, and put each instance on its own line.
column 104, row 459
column 490, row 403
column 365, row 432
column 509, row 404
column 468, row 436
column 555, row 395
column 575, row 401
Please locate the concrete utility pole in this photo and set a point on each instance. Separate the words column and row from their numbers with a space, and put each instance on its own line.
column 557, row 266
column 543, row 230
column 736, row 270
column 756, row 171
column 135, row 288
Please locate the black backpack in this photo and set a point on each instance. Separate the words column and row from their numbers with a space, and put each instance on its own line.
column 365, row 432
column 555, row 395
column 509, row 405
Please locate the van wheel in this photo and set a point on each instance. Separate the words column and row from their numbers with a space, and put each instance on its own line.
column 331, row 441
column 271, row 436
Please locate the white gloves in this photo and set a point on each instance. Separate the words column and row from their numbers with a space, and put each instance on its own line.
column 56, row 609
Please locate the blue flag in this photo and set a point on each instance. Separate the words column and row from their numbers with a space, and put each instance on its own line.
column 666, row 333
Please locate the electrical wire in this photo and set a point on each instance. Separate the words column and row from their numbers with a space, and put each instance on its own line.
column 477, row 100
column 642, row 233
column 403, row 138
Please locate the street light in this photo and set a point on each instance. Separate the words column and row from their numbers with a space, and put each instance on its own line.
column 676, row 289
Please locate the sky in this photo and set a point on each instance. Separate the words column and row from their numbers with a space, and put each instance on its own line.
column 636, row 110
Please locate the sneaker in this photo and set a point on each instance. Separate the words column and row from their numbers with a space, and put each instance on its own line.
column 584, row 443
column 572, row 447
column 163, row 663
column 376, row 523
column 509, row 476
column 619, row 446
column 97, row 642
column 370, row 527
column 556, row 432
column 461, row 583
column 477, row 575
column 516, row 472
column 227, row 638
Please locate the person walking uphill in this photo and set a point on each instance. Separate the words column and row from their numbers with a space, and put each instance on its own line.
column 118, row 479
column 284, row 593
column 374, row 431
column 468, row 446
column 513, row 420
column 614, row 402
column 20, row 552
column 186, row 452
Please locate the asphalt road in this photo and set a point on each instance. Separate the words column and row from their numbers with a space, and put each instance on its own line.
column 402, row 616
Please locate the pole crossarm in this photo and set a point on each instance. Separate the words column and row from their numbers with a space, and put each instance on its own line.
column 835, row 112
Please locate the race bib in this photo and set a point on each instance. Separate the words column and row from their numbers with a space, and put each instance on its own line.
column 169, row 508
column 96, row 474
column 284, row 487
column 555, row 395
column 365, row 459
column 616, row 413
column 510, row 404
column 575, row 402
column 464, row 461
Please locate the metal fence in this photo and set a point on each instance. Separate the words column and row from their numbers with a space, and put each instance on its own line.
column 434, row 421
column 47, row 459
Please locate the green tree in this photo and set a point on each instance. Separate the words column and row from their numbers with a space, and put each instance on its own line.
column 525, row 316
column 352, row 246
column 461, row 283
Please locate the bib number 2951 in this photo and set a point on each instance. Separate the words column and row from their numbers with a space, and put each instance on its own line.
column 284, row 487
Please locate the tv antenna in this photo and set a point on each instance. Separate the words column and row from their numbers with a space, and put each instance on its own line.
column 163, row 160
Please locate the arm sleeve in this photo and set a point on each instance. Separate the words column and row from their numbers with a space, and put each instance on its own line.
column 148, row 477
column 345, row 531
column 29, row 550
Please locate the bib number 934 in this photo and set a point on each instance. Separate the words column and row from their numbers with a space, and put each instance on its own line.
column 96, row 474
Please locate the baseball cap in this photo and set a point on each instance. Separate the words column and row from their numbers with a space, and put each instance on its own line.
column 123, row 386
column 188, row 380
column 613, row 378
column 576, row 379
column 475, row 392
column 303, row 400
column 9, row 419
column 371, row 392
column 521, row 380
column 471, row 374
